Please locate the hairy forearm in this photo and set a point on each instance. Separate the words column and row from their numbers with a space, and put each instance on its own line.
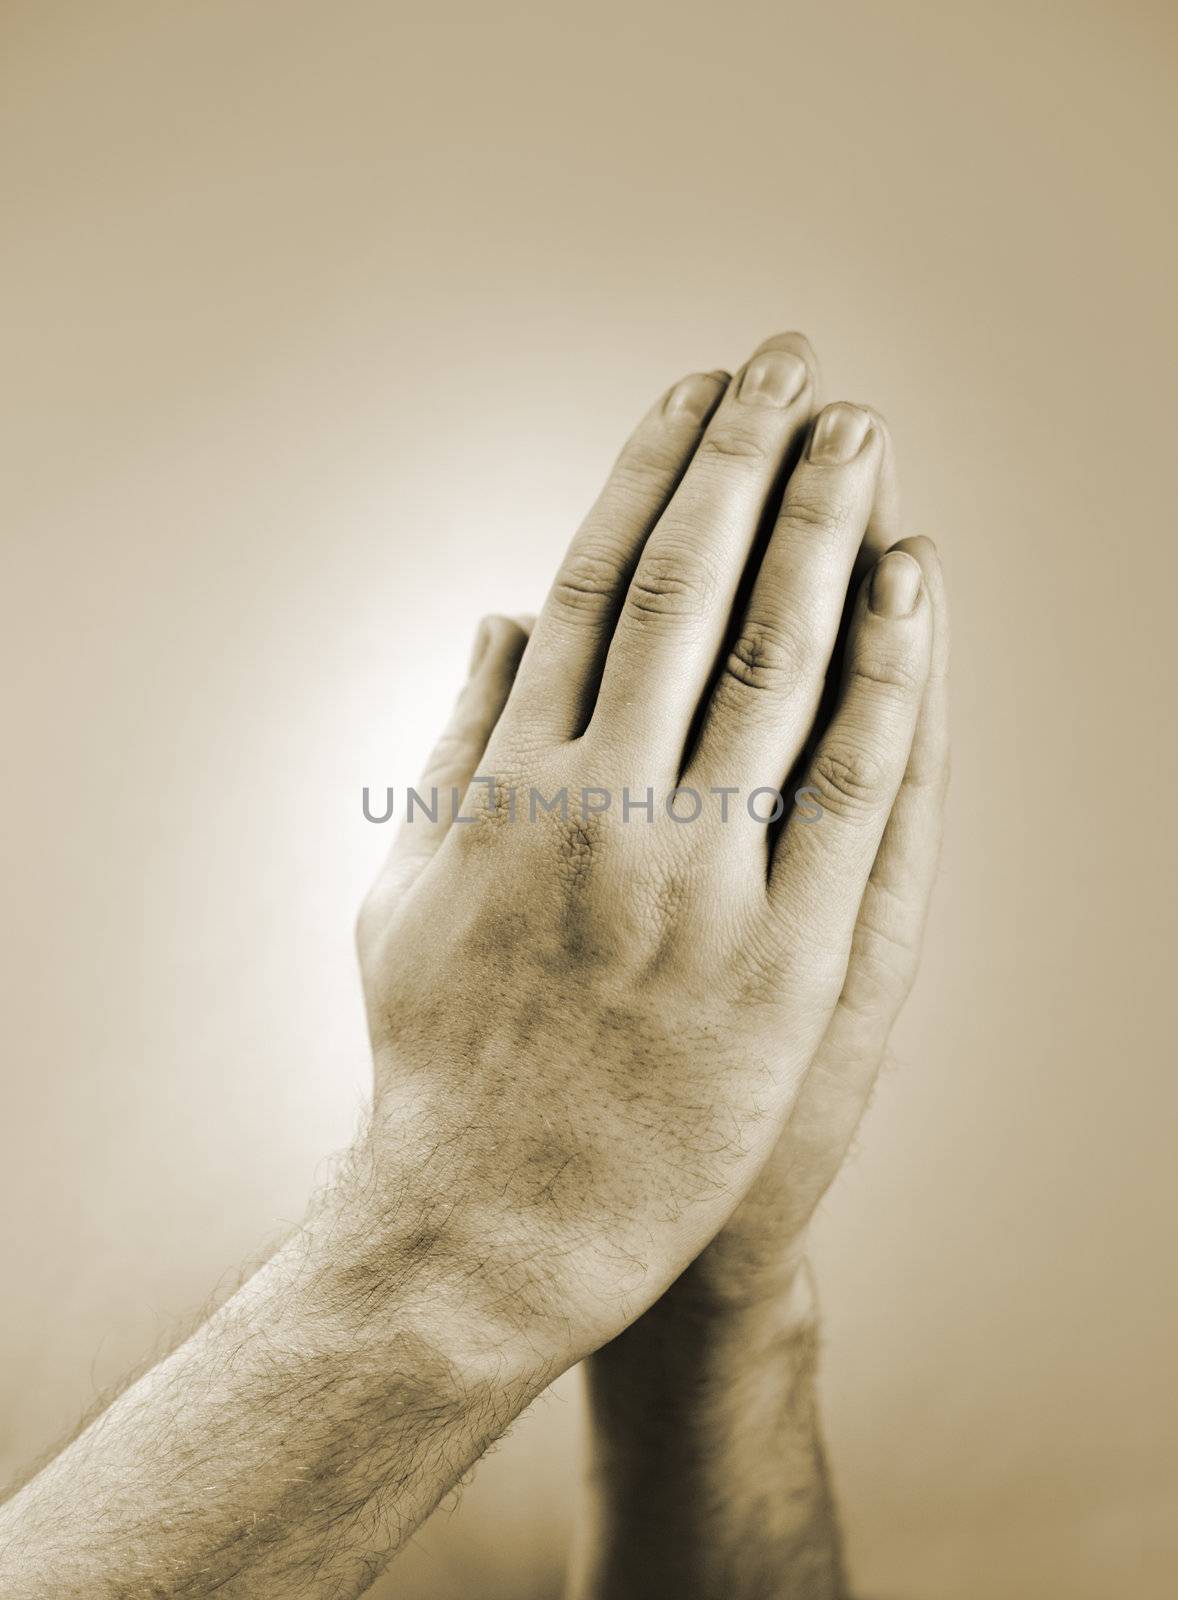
column 291, row 1445
column 706, row 1467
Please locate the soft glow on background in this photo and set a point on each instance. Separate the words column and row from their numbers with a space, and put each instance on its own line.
column 322, row 325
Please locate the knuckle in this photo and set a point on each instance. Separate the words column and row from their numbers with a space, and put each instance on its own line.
column 888, row 929
column 586, row 583
column 811, row 513
column 883, row 963
column 667, row 585
column 849, row 779
column 645, row 464
column 892, row 671
column 871, row 989
column 768, row 656
column 731, row 443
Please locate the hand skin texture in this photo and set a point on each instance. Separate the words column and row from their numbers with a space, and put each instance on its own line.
column 587, row 1037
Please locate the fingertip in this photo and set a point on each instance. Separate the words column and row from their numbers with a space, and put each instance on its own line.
column 896, row 585
column 879, row 421
column 842, row 430
column 924, row 550
column 881, row 436
column 795, row 344
column 791, row 340
column 495, row 637
column 920, row 546
column 695, row 397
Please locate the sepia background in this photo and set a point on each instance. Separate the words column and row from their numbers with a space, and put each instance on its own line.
column 321, row 326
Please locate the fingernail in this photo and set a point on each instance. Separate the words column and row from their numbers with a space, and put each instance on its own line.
column 838, row 435
column 895, row 584
column 482, row 639
column 773, row 378
column 695, row 397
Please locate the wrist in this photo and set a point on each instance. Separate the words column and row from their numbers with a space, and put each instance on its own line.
column 722, row 1308
column 753, row 1266
column 691, row 1365
column 712, row 1342
column 385, row 1261
column 743, row 1296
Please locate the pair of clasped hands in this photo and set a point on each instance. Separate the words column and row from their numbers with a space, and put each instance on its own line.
column 617, row 1060
column 626, row 1054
